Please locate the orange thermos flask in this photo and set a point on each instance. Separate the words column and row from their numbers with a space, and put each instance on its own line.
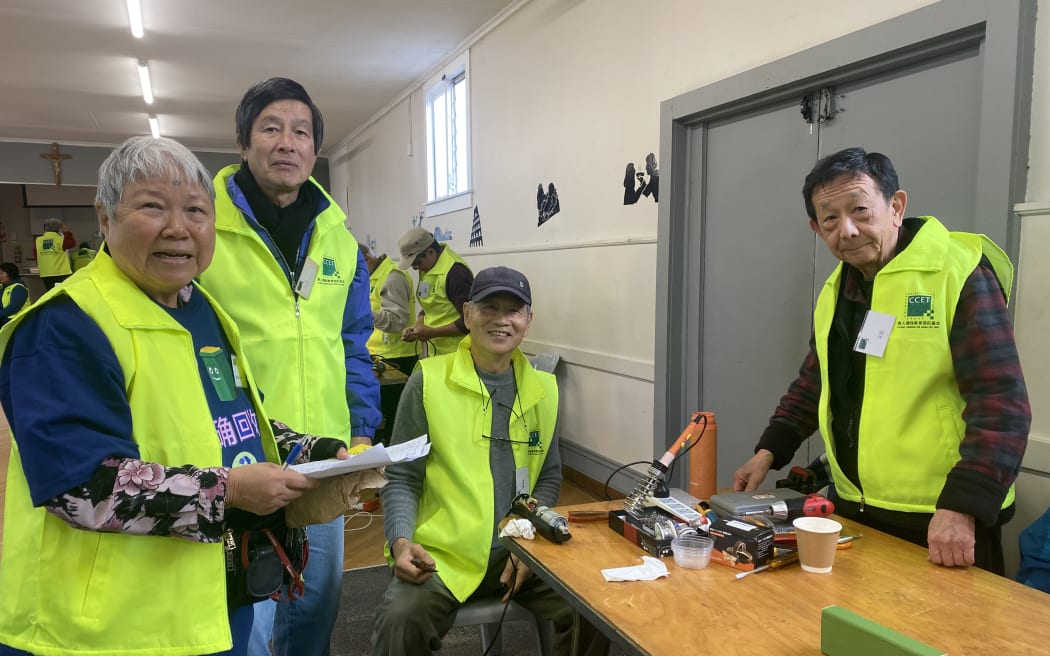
column 703, row 461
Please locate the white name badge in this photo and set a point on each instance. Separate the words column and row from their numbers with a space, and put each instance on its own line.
column 521, row 480
column 874, row 333
column 236, row 371
column 423, row 290
column 306, row 278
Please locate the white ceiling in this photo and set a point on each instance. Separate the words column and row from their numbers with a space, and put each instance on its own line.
column 68, row 68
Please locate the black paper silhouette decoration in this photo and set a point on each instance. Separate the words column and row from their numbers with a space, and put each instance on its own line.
column 547, row 203
column 475, row 230
column 635, row 184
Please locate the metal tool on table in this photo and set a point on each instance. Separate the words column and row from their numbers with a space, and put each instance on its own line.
column 583, row 516
column 779, row 504
column 548, row 523
column 635, row 503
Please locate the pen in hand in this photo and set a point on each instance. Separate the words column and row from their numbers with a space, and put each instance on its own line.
column 297, row 448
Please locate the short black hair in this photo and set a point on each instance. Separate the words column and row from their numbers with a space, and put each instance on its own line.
column 11, row 270
column 851, row 162
column 259, row 97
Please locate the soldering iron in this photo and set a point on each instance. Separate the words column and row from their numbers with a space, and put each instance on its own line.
column 694, row 430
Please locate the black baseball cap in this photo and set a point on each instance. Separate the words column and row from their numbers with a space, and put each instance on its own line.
column 501, row 279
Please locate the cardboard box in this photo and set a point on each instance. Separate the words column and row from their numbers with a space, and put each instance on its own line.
column 741, row 542
column 639, row 530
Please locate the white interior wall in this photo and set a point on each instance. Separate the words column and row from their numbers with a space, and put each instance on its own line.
column 1031, row 316
column 569, row 92
column 387, row 183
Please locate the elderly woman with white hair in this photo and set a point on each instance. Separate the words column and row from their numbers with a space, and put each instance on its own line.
column 141, row 451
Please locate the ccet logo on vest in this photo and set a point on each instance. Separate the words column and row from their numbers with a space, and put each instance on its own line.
column 535, row 445
column 919, row 312
column 330, row 273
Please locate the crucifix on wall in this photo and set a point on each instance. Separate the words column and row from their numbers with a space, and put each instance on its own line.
column 56, row 161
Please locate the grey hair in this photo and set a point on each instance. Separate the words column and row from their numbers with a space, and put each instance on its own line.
column 140, row 158
column 52, row 225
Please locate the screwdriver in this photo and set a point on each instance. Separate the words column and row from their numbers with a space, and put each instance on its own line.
column 776, row 562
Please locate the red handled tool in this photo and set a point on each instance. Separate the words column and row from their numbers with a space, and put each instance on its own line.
column 812, row 505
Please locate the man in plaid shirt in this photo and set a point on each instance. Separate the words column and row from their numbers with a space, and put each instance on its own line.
column 912, row 375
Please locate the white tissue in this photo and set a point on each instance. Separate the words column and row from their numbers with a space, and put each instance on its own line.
column 651, row 570
column 519, row 528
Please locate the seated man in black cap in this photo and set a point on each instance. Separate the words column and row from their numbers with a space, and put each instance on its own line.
column 487, row 411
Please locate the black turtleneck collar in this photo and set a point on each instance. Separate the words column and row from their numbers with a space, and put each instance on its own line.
column 286, row 225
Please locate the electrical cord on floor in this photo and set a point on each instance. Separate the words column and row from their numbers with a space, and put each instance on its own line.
column 349, row 518
column 499, row 627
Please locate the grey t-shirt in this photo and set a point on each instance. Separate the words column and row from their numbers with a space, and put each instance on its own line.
column 402, row 494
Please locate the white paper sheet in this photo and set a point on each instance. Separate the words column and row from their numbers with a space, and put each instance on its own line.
column 377, row 456
column 651, row 570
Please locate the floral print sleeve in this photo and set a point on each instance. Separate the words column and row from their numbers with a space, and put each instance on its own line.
column 127, row 495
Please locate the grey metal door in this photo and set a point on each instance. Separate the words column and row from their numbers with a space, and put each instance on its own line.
column 758, row 273
column 762, row 265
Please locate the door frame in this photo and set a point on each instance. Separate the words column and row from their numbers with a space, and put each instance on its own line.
column 1003, row 29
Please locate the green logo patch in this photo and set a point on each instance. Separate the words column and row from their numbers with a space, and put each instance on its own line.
column 920, row 305
column 534, row 438
column 328, row 267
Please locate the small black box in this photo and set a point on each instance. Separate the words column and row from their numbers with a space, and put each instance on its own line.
column 742, row 542
column 639, row 530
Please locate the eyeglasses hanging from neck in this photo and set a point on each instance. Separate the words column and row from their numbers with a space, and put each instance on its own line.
column 519, row 415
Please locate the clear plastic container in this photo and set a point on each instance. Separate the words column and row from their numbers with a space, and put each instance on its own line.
column 692, row 551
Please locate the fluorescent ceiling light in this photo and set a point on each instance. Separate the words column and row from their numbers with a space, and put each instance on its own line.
column 135, row 18
column 147, row 90
column 154, row 126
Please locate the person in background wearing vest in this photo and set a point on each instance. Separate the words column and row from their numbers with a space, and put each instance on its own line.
column 912, row 376
column 117, row 503
column 51, row 258
column 491, row 419
column 444, row 282
column 83, row 256
column 290, row 273
column 13, row 292
column 393, row 306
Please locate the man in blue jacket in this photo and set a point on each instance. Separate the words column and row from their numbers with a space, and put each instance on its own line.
column 290, row 273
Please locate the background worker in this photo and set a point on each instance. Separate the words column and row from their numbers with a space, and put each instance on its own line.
column 925, row 423
column 444, row 285
column 51, row 258
column 83, row 256
column 393, row 306
column 290, row 273
column 13, row 292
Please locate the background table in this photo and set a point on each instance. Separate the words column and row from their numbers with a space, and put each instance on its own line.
column 710, row 611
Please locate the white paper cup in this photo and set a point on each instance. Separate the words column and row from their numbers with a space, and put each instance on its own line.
column 818, row 539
